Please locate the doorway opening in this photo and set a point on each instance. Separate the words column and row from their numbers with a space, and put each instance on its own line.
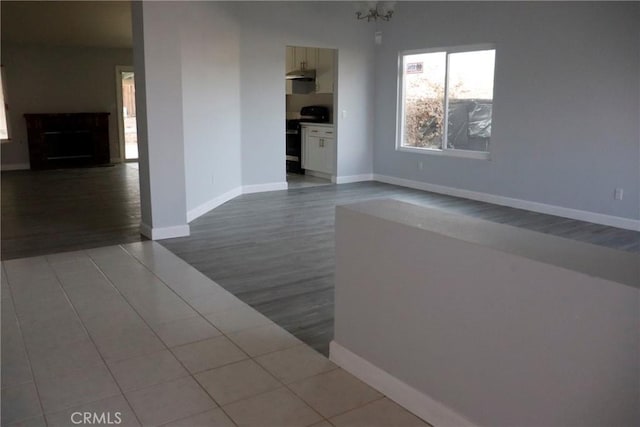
column 127, row 113
column 311, row 155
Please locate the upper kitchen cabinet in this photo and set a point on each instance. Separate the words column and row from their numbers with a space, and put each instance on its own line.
column 312, row 58
column 324, row 71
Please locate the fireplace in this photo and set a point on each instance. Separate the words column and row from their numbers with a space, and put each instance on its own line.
column 68, row 140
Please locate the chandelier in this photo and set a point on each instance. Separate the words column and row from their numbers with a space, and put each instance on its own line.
column 373, row 10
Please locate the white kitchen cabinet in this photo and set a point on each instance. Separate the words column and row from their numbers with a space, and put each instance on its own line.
column 321, row 60
column 319, row 148
column 324, row 71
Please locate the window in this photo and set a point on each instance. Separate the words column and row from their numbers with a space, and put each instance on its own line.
column 4, row 126
column 458, row 81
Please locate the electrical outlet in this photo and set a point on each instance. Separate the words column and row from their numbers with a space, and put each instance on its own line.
column 420, row 165
column 618, row 193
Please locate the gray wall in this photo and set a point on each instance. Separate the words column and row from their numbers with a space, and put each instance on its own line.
column 566, row 106
column 227, row 105
column 59, row 80
column 267, row 28
column 450, row 307
column 211, row 101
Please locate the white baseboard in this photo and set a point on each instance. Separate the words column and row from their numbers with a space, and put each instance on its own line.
column 610, row 220
column 260, row 188
column 159, row 233
column 212, row 204
column 430, row 410
column 353, row 178
column 223, row 198
column 15, row 166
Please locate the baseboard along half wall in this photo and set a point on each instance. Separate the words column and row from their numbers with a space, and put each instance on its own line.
column 158, row 233
column 610, row 220
column 225, row 197
column 430, row 410
column 261, row 188
column 347, row 179
column 212, row 204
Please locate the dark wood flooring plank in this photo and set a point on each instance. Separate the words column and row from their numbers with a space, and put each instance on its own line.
column 68, row 209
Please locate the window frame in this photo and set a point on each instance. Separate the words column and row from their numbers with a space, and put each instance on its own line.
column 444, row 151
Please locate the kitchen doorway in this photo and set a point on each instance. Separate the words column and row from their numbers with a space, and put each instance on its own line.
column 311, row 155
column 127, row 129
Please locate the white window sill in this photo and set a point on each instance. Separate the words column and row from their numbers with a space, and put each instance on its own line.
column 482, row 155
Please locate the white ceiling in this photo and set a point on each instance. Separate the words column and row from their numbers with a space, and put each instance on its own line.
column 67, row 23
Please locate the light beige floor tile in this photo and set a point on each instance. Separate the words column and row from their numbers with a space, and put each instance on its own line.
column 111, row 411
column 19, row 402
column 237, row 319
column 57, row 316
column 275, row 408
column 236, row 381
column 80, row 387
column 380, row 413
column 74, row 266
column 104, row 328
column 327, row 424
column 264, row 339
column 166, row 312
column 295, row 363
column 65, row 257
column 100, row 305
column 54, row 335
column 334, row 392
column 185, row 331
column 219, row 300
column 208, row 354
column 89, row 290
column 130, row 343
column 34, row 289
column 212, row 418
column 190, row 287
column 169, row 401
column 29, row 422
column 64, row 360
column 149, row 369
column 110, row 255
column 43, row 310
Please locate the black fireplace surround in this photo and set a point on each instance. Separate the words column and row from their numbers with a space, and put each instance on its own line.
column 68, row 140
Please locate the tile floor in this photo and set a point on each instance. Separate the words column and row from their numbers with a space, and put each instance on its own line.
column 133, row 334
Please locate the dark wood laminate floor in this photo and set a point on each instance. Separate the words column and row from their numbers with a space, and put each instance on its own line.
column 68, row 209
column 275, row 250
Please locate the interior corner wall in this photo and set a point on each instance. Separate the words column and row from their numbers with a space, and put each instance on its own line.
column 566, row 100
column 210, row 49
column 52, row 79
column 266, row 29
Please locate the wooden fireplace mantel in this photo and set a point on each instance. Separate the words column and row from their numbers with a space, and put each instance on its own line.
column 68, row 139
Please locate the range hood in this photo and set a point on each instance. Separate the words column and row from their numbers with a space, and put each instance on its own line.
column 302, row 75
